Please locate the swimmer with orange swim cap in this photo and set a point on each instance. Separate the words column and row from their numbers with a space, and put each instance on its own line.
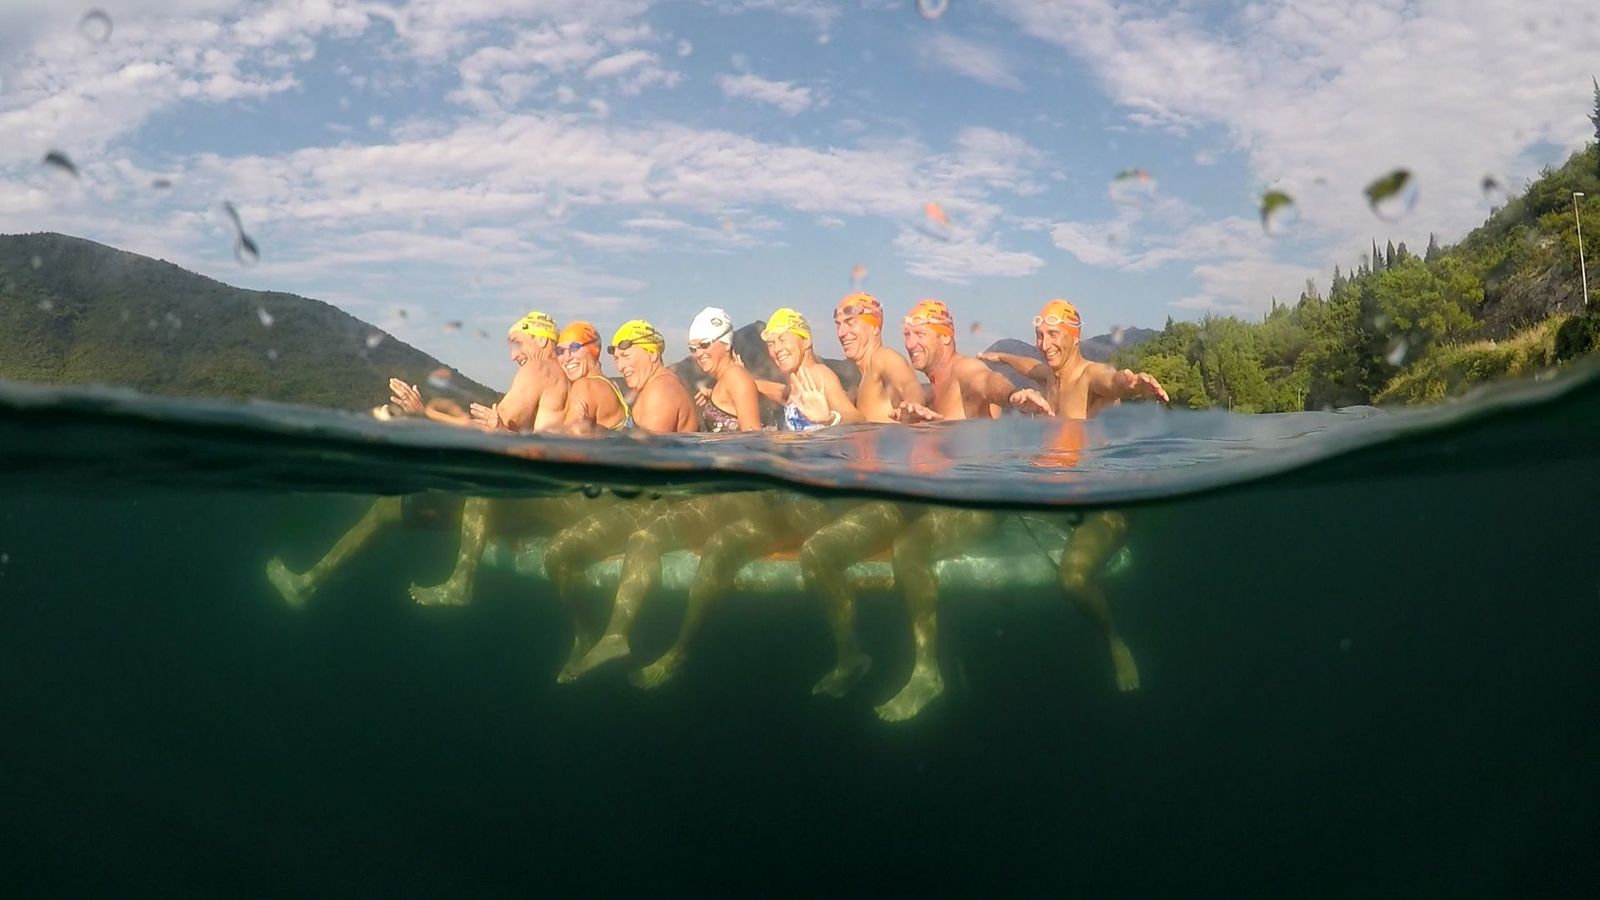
column 1071, row 387
column 963, row 387
column 593, row 400
column 887, row 380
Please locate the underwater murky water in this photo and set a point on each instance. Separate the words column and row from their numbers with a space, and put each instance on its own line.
column 1369, row 674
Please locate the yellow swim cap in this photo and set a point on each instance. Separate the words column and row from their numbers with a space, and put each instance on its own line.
column 637, row 332
column 786, row 319
column 537, row 324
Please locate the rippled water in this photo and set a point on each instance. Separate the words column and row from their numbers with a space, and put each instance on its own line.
column 1364, row 642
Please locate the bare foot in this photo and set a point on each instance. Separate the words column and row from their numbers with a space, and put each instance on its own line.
column 844, row 676
column 925, row 684
column 450, row 593
column 1127, row 671
column 612, row 646
column 659, row 672
column 294, row 588
column 581, row 642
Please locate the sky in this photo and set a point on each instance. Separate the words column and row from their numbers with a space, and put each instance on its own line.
column 430, row 162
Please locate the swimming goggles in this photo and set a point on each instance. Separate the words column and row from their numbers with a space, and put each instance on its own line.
column 850, row 312
column 925, row 319
column 1054, row 319
column 626, row 344
column 697, row 346
column 573, row 347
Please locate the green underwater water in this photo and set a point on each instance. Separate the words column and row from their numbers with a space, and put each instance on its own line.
column 1369, row 677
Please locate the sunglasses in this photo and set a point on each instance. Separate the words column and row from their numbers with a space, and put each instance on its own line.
column 572, row 348
column 1054, row 319
column 651, row 338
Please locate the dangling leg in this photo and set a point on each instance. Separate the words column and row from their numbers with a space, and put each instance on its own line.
column 1090, row 547
column 567, row 559
column 868, row 529
column 298, row 589
column 457, row 589
column 939, row 533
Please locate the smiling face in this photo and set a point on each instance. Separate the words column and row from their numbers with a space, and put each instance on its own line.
column 787, row 350
column 523, row 347
column 578, row 363
column 1055, row 342
column 924, row 345
column 635, row 364
column 855, row 335
column 709, row 355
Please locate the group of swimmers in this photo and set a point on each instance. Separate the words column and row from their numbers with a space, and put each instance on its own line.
column 560, row 388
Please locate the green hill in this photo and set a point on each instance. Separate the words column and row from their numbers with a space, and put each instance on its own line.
column 76, row 312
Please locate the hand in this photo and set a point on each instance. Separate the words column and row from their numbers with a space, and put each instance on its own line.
column 1030, row 401
column 909, row 413
column 809, row 396
column 702, row 392
column 405, row 396
column 987, row 356
column 486, row 418
column 1136, row 383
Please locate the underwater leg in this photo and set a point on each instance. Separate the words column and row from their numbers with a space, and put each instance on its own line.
column 1090, row 547
column 457, row 589
column 297, row 589
column 863, row 531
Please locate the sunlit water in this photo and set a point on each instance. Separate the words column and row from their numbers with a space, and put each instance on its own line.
column 1365, row 642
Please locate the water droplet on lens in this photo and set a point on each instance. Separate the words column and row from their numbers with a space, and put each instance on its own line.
column 264, row 316
column 1133, row 187
column 1344, row 645
column 592, row 491
column 936, row 214
column 95, row 26
column 47, row 305
column 246, row 250
column 483, row 334
column 453, row 325
column 373, row 340
column 1493, row 190
column 1118, row 335
column 161, row 184
column 61, row 161
column 858, row 275
column 1398, row 348
column 932, row 9
column 272, row 356
column 1393, row 195
column 1278, row 212
column 36, row 262
column 439, row 378
column 5, row 558
column 403, row 313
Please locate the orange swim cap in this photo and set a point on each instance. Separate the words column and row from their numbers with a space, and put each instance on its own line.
column 581, row 333
column 934, row 314
column 1062, row 313
column 863, row 306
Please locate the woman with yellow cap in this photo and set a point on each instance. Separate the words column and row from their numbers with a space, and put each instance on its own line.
column 660, row 401
column 816, row 398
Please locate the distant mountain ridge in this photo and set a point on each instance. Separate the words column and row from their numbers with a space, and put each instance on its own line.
column 76, row 312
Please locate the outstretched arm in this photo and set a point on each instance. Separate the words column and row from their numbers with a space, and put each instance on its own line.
column 902, row 380
column 777, row 392
column 1031, row 369
column 1124, row 384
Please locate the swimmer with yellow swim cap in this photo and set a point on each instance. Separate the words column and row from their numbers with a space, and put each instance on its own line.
column 1069, row 385
column 963, row 387
column 815, row 398
column 660, row 402
column 538, row 396
column 887, row 380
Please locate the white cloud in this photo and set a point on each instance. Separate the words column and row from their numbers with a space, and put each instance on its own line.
column 782, row 94
column 819, row 13
column 980, row 62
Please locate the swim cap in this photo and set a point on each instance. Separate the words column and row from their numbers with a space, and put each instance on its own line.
column 640, row 333
column 581, row 333
column 1059, row 312
column 866, row 306
column 537, row 324
column 934, row 314
column 712, row 324
column 786, row 319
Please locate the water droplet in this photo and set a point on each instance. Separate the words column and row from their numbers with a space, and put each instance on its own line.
column 246, row 251
column 1398, row 348
column 95, row 26
column 936, row 214
column 374, row 339
column 1118, row 334
column 272, row 355
column 1133, row 187
column 1344, row 645
column 264, row 316
column 439, row 378
column 453, row 325
column 483, row 334
column 36, row 262
column 1278, row 213
column 932, row 9
column 592, row 491
column 174, row 321
column 858, row 276
column 161, row 184
column 1393, row 195
column 1493, row 191
column 233, row 214
column 5, row 559
column 403, row 313
column 61, row 161
column 47, row 305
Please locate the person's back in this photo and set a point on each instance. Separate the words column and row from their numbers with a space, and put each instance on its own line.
column 537, row 398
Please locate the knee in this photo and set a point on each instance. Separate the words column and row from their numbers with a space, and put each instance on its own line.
column 909, row 556
column 1073, row 580
column 812, row 561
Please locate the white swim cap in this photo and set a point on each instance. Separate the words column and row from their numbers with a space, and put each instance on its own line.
column 712, row 324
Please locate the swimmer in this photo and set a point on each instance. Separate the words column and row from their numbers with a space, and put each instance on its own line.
column 731, row 403
column 963, row 387
column 887, row 380
column 816, row 399
column 1073, row 387
column 660, row 401
column 531, row 341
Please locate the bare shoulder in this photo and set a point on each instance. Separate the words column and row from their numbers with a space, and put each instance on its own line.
column 888, row 360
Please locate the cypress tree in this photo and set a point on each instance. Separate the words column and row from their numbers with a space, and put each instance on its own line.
column 1432, row 252
column 1388, row 257
column 1595, row 118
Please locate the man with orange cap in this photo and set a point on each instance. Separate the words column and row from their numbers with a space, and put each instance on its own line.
column 887, row 380
column 963, row 387
column 1073, row 387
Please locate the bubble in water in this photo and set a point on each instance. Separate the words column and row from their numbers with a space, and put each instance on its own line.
column 246, row 251
column 439, row 378
column 264, row 316
column 1344, row 645
column 1133, row 187
column 95, row 26
column 1398, row 348
column 1277, row 212
column 36, row 262
column 1393, row 195
column 936, row 214
column 1493, row 190
column 374, row 339
column 61, row 161
column 592, row 491
column 47, row 305
column 932, row 9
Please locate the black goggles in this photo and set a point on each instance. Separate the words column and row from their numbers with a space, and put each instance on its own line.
column 627, row 344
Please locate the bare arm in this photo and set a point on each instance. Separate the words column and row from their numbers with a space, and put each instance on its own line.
column 1124, row 384
column 657, row 409
column 901, row 380
column 552, row 408
column 777, row 392
column 746, row 398
column 979, row 381
column 1031, row 369
column 838, row 398
column 517, row 409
